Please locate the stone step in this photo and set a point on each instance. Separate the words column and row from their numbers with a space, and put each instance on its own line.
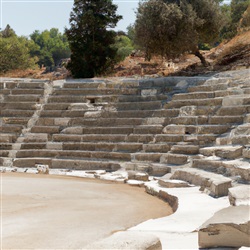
column 13, row 129
column 232, row 110
column 107, row 122
column 146, row 157
column 226, row 229
column 173, row 138
column 8, row 138
column 232, row 168
column 95, row 91
column 189, row 120
column 194, row 96
column 185, row 149
column 89, row 138
column 176, row 159
column 22, row 98
column 4, row 153
column 100, row 155
column 198, row 110
column 196, row 102
column 217, row 185
column 45, row 129
column 246, row 152
column 236, row 100
column 206, row 88
column 227, row 151
column 67, row 99
column 23, row 91
column 156, row 148
column 135, row 98
column 17, row 113
column 83, row 85
column 103, row 146
column 203, row 139
column 18, row 105
column 148, row 129
column 16, row 120
column 226, row 119
column 31, row 85
column 5, row 91
column 195, row 129
column 137, row 105
column 34, row 137
column 6, row 146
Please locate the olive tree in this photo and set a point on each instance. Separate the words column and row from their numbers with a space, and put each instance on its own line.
column 172, row 27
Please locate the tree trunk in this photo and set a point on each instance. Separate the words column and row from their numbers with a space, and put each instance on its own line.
column 201, row 57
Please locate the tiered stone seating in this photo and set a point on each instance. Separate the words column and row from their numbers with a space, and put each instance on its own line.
column 194, row 130
column 20, row 102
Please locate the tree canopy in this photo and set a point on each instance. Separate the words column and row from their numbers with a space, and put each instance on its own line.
column 172, row 27
column 90, row 38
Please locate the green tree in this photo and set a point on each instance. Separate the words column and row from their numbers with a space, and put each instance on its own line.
column 172, row 27
column 90, row 38
column 7, row 32
column 15, row 54
column 51, row 47
column 124, row 47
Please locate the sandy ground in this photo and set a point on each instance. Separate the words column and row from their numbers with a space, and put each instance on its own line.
column 51, row 212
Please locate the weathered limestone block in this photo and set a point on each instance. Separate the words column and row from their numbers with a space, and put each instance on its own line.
column 230, row 227
column 72, row 130
column 236, row 100
column 82, row 106
column 246, row 152
column 155, row 121
column 173, row 183
column 139, row 176
column 228, row 152
column 174, row 129
column 216, row 185
column 30, row 137
column 61, row 121
column 93, row 114
column 185, row 149
column 128, row 240
column 42, row 169
column 239, row 195
column 148, row 92
column 162, row 148
column 176, row 159
column 188, row 111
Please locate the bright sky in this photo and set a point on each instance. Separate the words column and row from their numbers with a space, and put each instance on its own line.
column 25, row 16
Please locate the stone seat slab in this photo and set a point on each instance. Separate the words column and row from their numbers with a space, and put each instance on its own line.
column 27, row 91
column 233, row 110
column 236, row 100
column 19, row 105
column 228, row 227
column 216, row 184
column 45, row 129
column 226, row 151
column 206, row 88
column 196, row 102
column 121, row 156
column 22, row 98
column 16, row 120
column 194, row 96
column 17, row 113
column 14, row 129
column 185, row 149
column 226, row 119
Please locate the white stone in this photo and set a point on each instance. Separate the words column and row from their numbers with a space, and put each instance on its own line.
column 42, row 169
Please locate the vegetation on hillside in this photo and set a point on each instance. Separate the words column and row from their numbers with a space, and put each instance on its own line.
column 167, row 29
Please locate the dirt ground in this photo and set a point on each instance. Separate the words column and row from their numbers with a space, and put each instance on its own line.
column 52, row 212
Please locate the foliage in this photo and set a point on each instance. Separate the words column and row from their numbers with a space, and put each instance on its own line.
column 15, row 54
column 245, row 21
column 90, row 38
column 7, row 32
column 172, row 27
column 50, row 47
column 124, row 47
column 233, row 12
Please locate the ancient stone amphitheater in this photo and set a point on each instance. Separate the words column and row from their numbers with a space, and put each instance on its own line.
column 167, row 133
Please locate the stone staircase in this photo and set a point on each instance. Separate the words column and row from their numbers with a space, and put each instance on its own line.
column 194, row 130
